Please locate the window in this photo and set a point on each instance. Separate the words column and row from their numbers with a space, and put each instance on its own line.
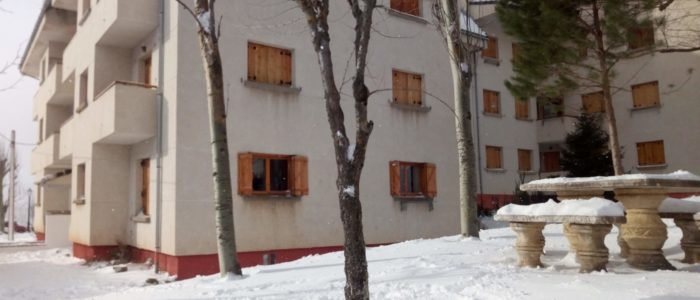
column 593, row 102
column 41, row 130
column 82, row 100
column 645, row 94
column 269, row 64
column 81, row 183
column 491, row 50
column 147, row 63
column 524, row 160
column 272, row 174
column 494, row 157
column 145, row 185
column 549, row 107
column 492, row 102
column 641, row 36
column 412, row 179
column 411, row 7
column 407, row 88
column 550, row 161
column 651, row 153
column 522, row 109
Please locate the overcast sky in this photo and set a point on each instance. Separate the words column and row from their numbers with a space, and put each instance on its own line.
column 17, row 18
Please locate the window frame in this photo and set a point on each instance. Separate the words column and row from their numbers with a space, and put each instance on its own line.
column 427, row 183
column 268, row 175
column 524, row 103
column 494, row 95
column 252, row 77
column 395, row 99
column 491, row 52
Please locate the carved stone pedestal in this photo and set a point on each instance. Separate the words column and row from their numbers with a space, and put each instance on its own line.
column 529, row 243
column 690, row 243
column 591, row 252
column 624, row 248
column 644, row 231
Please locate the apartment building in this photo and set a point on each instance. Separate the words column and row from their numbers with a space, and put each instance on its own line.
column 656, row 110
column 124, row 156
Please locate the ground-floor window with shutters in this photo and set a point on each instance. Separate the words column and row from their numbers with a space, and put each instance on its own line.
column 494, row 157
column 272, row 174
column 407, row 88
column 412, row 179
column 550, row 161
column 651, row 153
column 145, row 185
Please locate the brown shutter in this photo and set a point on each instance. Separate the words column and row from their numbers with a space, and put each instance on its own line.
column 411, row 7
column 522, row 109
column 397, row 5
column 524, row 160
column 147, row 70
column 491, row 102
column 493, row 157
column 245, row 174
column 415, row 89
column 429, row 180
column 394, row 178
column 145, row 184
column 399, row 86
column 593, row 102
column 645, row 94
column 286, row 75
column 491, row 49
column 300, row 176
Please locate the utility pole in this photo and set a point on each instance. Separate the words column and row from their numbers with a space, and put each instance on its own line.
column 11, row 224
column 29, row 209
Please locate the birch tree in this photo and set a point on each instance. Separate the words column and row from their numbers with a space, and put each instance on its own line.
column 461, row 47
column 349, row 157
column 4, row 172
column 208, row 34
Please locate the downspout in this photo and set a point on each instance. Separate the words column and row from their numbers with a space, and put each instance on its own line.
column 159, row 134
column 478, row 132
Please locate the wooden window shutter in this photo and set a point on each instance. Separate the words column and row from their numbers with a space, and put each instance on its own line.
column 400, row 87
column 651, row 153
column 524, row 160
column 491, row 49
column 299, row 176
column 414, row 89
column 429, row 180
column 397, row 5
column 245, row 174
column 147, row 63
column 593, row 102
column 491, row 102
column 394, row 178
column 253, row 53
column 145, row 185
column 286, row 67
column 493, row 157
column 645, row 94
column 411, row 7
column 522, row 108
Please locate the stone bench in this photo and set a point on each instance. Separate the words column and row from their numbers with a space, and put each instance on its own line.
column 684, row 213
column 584, row 228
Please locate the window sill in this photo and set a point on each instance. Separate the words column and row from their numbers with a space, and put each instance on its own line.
column 492, row 61
column 141, row 218
column 652, row 107
column 495, row 170
column 408, row 17
column 524, row 119
column 271, row 87
column 81, row 107
column 404, row 200
column 80, row 201
column 417, row 108
column 490, row 114
column 652, row 167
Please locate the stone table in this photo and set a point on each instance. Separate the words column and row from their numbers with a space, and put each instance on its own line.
column 641, row 195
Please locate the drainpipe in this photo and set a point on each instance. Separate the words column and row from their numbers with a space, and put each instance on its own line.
column 478, row 138
column 159, row 133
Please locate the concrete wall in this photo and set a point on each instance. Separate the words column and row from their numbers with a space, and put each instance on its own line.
column 265, row 121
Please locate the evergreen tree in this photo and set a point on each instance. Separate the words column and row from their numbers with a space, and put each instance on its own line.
column 569, row 44
column 586, row 153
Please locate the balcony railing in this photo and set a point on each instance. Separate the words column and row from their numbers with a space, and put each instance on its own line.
column 123, row 113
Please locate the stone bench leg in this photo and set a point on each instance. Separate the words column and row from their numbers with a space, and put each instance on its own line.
column 690, row 243
column 572, row 237
column 591, row 252
column 624, row 248
column 529, row 243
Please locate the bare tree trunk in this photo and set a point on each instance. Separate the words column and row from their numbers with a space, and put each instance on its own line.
column 349, row 164
column 209, row 45
column 4, row 169
column 461, row 65
column 607, row 94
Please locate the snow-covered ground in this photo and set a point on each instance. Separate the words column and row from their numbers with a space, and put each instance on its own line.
column 23, row 237
column 444, row 268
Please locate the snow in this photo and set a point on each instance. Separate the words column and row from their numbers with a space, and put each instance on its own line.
column 575, row 207
column 685, row 205
column 468, row 24
column 351, row 152
column 450, row 267
column 23, row 237
column 204, row 19
column 677, row 175
column 350, row 191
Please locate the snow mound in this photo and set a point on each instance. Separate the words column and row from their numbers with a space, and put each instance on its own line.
column 685, row 205
column 677, row 175
column 598, row 207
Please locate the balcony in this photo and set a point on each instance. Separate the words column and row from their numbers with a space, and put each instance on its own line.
column 124, row 23
column 45, row 155
column 124, row 113
column 555, row 129
column 53, row 90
